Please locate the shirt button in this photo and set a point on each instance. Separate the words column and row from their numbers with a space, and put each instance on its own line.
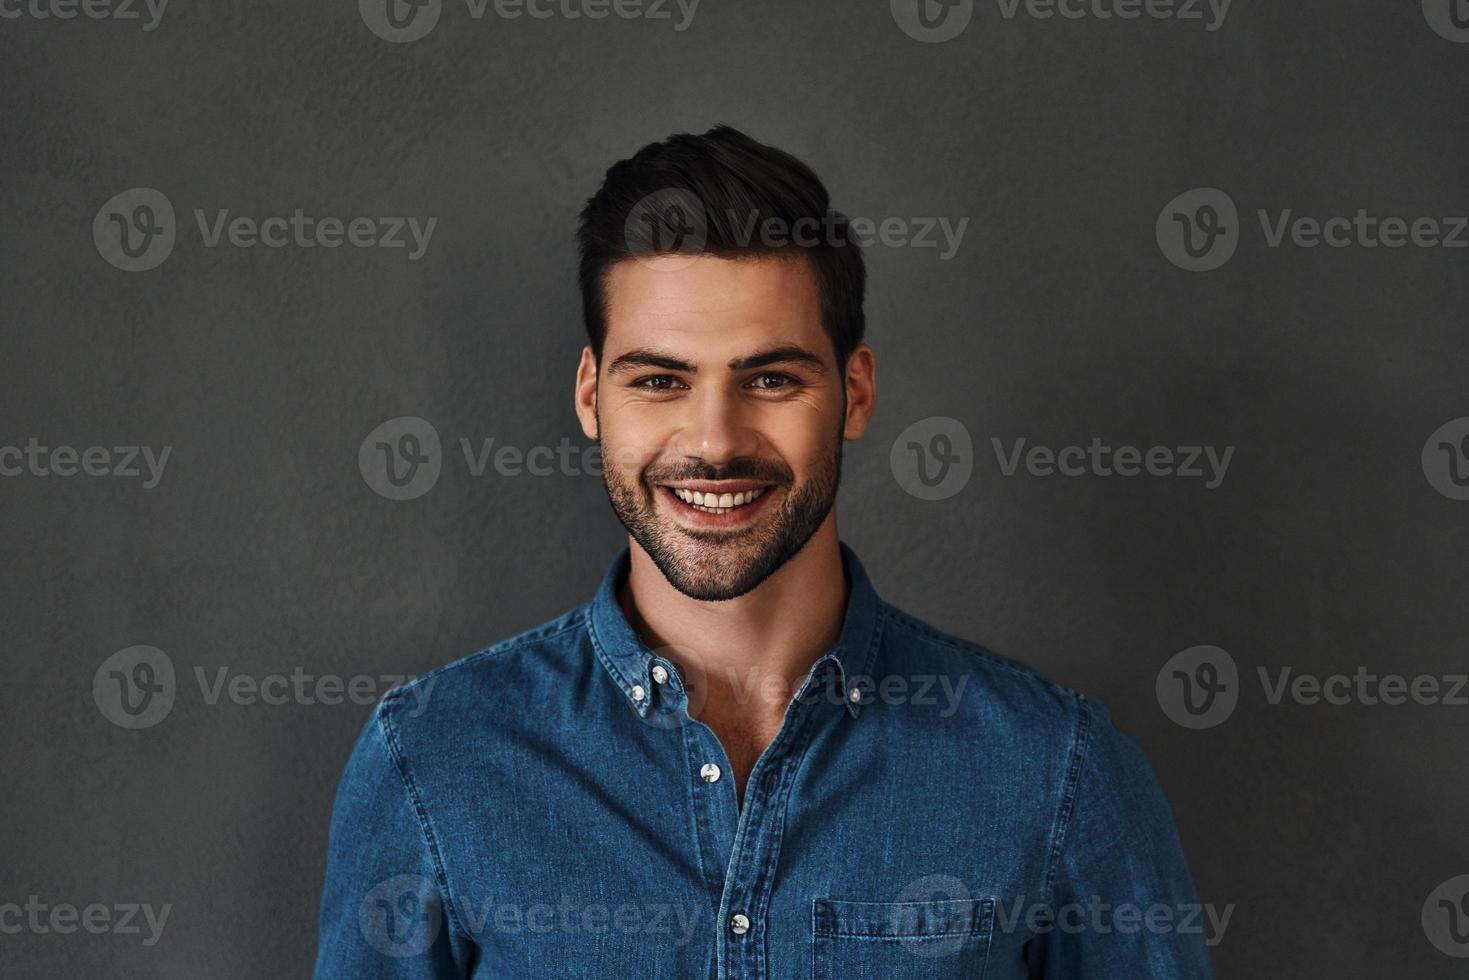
column 659, row 674
column 638, row 693
column 854, row 695
column 709, row 774
column 739, row 924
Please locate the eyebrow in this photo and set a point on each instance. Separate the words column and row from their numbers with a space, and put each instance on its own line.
column 651, row 357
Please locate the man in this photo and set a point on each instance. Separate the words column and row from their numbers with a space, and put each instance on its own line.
column 735, row 760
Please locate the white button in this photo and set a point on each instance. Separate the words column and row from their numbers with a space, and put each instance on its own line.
column 854, row 695
column 739, row 924
column 659, row 674
column 638, row 693
column 709, row 773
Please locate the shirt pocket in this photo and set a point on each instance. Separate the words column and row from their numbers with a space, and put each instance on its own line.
column 900, row 940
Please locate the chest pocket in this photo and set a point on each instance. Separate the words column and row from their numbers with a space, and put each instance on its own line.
column 900, row 940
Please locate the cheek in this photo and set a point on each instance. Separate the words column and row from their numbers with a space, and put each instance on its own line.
column 629, row 441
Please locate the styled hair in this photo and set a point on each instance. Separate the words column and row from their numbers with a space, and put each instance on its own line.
column 718, row 193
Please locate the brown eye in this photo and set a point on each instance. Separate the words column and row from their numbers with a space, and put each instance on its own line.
column 773, row 382
column 656, row 382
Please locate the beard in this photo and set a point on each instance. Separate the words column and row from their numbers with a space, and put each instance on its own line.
column 715, row 566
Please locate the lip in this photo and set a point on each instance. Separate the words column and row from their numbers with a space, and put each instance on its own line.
column 694, row 519
column 719, row 486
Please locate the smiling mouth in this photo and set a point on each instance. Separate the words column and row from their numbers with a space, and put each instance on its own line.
column 713, row 502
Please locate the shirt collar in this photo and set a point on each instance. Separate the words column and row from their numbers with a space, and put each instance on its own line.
column 631, row 664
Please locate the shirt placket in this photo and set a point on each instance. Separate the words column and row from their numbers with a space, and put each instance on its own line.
column 740, row 848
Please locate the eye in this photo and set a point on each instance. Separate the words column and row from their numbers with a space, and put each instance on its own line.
column 774, row 381
column 657, row 382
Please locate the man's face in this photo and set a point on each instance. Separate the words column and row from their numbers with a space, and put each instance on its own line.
column 720, row 410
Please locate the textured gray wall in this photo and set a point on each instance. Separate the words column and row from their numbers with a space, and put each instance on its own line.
column 1334, row 543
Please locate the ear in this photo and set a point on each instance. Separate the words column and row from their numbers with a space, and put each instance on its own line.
column 585, row 393
column 861, row 384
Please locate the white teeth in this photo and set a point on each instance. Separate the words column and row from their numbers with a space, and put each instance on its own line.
column 716, row 503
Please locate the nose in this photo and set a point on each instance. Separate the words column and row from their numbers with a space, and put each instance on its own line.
column 718, row 429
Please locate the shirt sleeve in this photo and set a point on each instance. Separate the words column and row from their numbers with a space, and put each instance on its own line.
column 1122, row 904
column 383, row 908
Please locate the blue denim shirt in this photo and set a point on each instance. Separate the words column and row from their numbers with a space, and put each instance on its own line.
column 547, row 807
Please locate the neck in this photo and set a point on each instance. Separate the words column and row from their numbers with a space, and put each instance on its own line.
column 751, row 652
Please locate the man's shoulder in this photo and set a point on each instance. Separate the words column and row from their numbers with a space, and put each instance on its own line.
column 990, row 688
column 481, row 679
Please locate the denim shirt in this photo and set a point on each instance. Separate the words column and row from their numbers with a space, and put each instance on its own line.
column 548, row 807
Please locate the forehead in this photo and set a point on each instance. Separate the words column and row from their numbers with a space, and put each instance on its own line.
column 710, row 308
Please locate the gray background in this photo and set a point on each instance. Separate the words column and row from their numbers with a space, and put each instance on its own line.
column 264, row 550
